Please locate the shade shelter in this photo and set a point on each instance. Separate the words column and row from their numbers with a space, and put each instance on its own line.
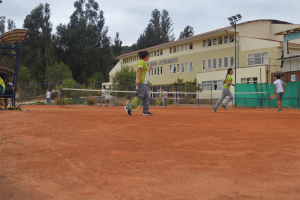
column 9, row 46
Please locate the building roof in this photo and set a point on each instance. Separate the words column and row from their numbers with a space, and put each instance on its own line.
column 273, row 21
column 176, row 41
column 294, row 30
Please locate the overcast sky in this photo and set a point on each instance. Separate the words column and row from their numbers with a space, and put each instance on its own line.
column 130, row 17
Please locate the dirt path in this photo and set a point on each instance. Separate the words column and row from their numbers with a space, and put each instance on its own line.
column 179, row 153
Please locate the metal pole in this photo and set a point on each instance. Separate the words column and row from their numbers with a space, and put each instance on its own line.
column 211, row 94
column 234, row 56
column 22, row 95
column 198, row 95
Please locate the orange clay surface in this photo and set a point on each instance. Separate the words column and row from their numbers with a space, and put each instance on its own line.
column 83, row 152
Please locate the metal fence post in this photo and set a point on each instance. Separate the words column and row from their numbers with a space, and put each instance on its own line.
column 211, row 94
column 22, row 95
column 78, row 94
column 198, row 95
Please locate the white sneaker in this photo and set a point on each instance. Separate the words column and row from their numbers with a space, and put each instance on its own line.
column 147, row 114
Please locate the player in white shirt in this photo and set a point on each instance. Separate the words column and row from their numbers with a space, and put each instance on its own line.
column 164, row 97
column 48, row 97
column 103, row 97
column 279, row 91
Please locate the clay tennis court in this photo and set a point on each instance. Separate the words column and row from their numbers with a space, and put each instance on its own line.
column 83, row 152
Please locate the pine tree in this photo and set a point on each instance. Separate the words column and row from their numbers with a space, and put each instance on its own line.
column 187, row 32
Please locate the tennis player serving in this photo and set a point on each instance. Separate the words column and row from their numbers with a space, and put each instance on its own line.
column 142, row 83
column 225, row 91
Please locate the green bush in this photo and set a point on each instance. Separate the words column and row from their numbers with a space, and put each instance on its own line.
column 191, row 102
column 40, row 103
column 169, row 101
column 119, row 103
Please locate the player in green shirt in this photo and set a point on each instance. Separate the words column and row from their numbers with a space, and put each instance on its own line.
column 142, row 70
column 225, row 91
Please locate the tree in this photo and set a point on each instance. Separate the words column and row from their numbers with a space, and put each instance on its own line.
column 117, row 47
column 166, row 27
column 126, row 76
column 58, row 72
column 158, row 31
column 84, row 43
column 187, row 32
column 11, row 25
column 36, row 52
column 2, row 24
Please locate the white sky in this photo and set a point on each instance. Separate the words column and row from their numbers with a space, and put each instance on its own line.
column 130, row 17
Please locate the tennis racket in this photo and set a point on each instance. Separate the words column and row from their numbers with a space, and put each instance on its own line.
column 135, row 102
column 273, row 96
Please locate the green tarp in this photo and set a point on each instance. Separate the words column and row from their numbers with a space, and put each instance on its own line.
column 290, row 97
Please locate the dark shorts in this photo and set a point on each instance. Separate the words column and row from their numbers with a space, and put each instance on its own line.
column 279, row 95
column 48, row 100
column 102, row 98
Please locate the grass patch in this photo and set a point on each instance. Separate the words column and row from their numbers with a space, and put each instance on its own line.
column 119, row 103
column 18, row 143
column 2, row 176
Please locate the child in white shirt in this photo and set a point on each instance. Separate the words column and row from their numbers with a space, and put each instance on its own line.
column 48, row 97
column 279, row 91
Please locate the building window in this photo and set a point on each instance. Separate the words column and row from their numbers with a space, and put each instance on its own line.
column 209, row 64
column 258, row 59
column 249, row 80
column 157, row 53
column 220, row 63
column 204, row 43
column 171, row 49
column 219, row 40
column 160, row 70
column 186, row 47
column 191, row 66
column 215, row 41
column 182, row 49
column 154, row 71
column 154, row 53
column 214, row 63
column 231, row 39
column 174, row 49
column 191, row 45
column 204, row 64
column 149, row 73
column 209, row 42
column 182, row 67
column 157, row 70
column 212, row 85
column 172, row 68
column 178, row 48
column 151, row 54
column 225, row 39
column 161, row 52
column 186, row 67
column 226, row 62
column 231, row 61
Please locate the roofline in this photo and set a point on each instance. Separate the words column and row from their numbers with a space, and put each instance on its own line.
column 293, row 30
column 273, row 21
column 177, row 41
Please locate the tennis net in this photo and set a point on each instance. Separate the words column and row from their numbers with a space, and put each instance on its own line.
column 90, row 97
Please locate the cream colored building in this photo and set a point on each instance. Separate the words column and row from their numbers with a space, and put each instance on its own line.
column 207, row 56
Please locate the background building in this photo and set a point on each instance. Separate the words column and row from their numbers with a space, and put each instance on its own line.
column 207, row 56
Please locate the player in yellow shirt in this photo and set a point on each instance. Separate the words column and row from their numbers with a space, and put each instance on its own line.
column 225, row 91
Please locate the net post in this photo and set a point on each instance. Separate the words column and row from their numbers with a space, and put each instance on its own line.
column 211, row 94
column 269, row 100
column 198, row 95
column 186, row 96
column 60, row 97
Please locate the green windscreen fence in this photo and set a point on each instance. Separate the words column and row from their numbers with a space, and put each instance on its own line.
column 258, row 95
